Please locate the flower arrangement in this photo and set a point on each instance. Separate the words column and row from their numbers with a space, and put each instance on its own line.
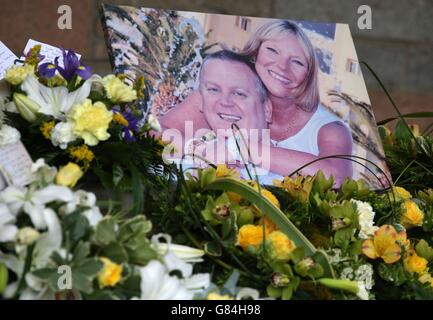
column 235, row 239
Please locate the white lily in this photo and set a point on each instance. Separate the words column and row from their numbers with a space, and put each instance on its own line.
column 157, row 284
column 56, row 101
column 33, row 201
column 43, row 173
column 8, row 230
column 185, row 253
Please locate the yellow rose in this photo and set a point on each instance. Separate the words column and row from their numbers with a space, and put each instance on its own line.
column 117, row 91
column 69, row 175
column 216, row 296
column 401, row 193
column 91, row 121
column 250, row 235
column 110, row 274
column 413, row 263
column 411, row 215
column 280, row 246
column 17, row 74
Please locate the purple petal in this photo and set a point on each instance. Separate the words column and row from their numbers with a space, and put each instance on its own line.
column 84, row 72
column 47, row 70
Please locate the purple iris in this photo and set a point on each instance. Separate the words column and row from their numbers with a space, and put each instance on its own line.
column 131, row 127
column 72, row 66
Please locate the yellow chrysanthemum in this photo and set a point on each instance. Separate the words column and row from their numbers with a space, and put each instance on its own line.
column 280, row 246
column 270, row 226
column 69, row 175
column 110, row 274
column 385, row 244
column 413, row 263
column 90, row 121
column 411, row 214
column 17, row 74
column 83, row 155
column 216, row 296
column 266, row 193
column 117, row 91
column 426, row 278
column 46, row 128
column 401, row 193
column 250, row 235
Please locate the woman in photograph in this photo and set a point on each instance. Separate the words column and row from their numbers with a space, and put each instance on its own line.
column 301, row 130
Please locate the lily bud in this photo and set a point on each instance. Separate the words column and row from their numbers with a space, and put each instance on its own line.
column 26, row 106
column 27, row 236
column 338, row 224
column 304, row 265
column 221, row 212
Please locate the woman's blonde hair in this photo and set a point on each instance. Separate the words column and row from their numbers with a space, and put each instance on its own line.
column 307, row 94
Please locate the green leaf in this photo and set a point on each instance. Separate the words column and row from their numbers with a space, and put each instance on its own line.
column 137, row 189
column 287, row 293
column 76, row 226
column 274, row 213
column 141, row 254
column 115, row 252
column 402, row 132
column 89, row 267
column 274, row 292
column 81, row 251
column 82, row 282
column 105, row 231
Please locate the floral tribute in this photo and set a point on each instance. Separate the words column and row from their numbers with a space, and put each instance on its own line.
column 105, row 218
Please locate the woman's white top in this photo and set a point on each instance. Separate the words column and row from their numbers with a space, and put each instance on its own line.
column 306, row 139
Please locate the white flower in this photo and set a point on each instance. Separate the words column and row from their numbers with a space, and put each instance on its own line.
column 42, row 172
column 8, row 230
column 248, row 293
column 157, row 284
column 362, row 291
column 365, row 218
column 56, row 101
column 62, row 134
column 365, row 274
column 33, row 201
column 184, row 253
column 154, row 123
column 27, row 235
column 85, row 200
column 197, row 282
column 347, row 273
column 9, row 135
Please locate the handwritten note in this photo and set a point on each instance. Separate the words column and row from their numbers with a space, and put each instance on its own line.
column 7, row 59
column 50, row 52
column 15, row 165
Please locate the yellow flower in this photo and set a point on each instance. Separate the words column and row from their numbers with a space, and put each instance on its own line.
column 426, row 278
column 216, row 296
column 120, row 119
column 90, row 122
column 270, row 226
column 412, row 215
column 299, row 187
column 117, row 91
column 250, row 235
column 82, row 154
column 110, row 274
column 401, row 193
column 69, row 175
column 280, row 246
column 223, row 171
column 17, row 74
column 266, row 193
column 413, row 263
column 385, row 244
column 46, row 128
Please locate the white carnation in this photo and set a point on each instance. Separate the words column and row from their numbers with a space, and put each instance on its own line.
column 365, row 218
column 9, row 135
column 62, row 134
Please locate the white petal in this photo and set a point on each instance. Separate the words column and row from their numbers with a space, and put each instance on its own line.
column 5, row 215
column 36, row 215
column 53, row 193
column 197, row 282
column 174, row 263
column 8, row 233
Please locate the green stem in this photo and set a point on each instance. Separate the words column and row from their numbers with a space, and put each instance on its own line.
column 27, row 265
